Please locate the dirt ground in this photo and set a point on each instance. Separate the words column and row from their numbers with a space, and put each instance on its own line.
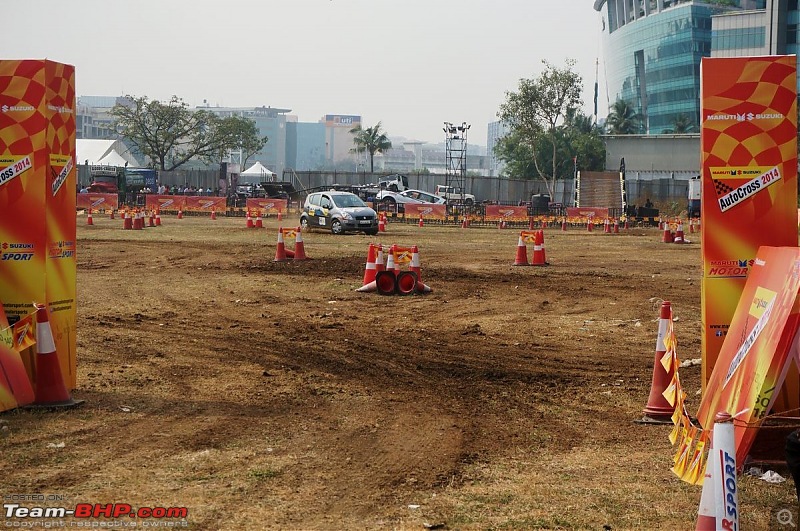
column 271, row 395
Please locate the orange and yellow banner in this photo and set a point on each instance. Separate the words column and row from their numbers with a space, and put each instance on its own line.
column 587, row 212
column 426, row 211
column 37, row 198
column 198, row 203
column 752, row 364
column 506, row 213
column 265, row 205
column 97, row 201
column 749, row 179
column 164, row 203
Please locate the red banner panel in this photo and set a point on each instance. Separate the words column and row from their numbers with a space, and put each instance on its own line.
column 198, row 203
column 426, row 210
column 164, row 203
column 506, row 213
column 587, row 212
column 98, row 201
column 266, row 206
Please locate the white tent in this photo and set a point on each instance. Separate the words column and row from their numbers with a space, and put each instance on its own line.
column 257, row 171
column 105, row 152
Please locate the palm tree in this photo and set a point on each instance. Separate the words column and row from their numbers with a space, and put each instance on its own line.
column 371, row 140
column 623, row 119
column 681, row 124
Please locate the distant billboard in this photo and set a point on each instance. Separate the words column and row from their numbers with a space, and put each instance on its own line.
column 342, row 120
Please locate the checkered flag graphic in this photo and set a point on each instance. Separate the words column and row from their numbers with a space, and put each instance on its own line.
column 722, row 188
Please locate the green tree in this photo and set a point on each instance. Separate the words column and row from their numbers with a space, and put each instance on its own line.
column 170, row 134
column 577, row 142
column 583, row 141
column 535, row 111
column 516, row 155
column 243, row 134
column 623, row 119
column 681, row 124
column 370, row 140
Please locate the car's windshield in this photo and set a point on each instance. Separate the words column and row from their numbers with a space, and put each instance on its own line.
column 348, row 201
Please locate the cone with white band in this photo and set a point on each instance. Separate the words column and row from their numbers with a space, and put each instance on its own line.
column 51, row 391
column 657, row 408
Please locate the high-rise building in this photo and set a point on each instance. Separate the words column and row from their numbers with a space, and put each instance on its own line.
column 271, row 122
column 495, row 132
column 653, row 49
column 338, row 138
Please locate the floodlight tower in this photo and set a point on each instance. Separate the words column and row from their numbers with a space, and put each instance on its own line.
column 456, row 156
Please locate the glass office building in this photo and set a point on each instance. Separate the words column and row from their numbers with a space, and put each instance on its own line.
column 653, row 49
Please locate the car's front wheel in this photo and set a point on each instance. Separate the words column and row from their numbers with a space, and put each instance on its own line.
column 336, row 227
column 304, row 224
column 468, row 202
column 371, row 232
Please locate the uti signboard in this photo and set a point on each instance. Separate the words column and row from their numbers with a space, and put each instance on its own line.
column 37, row 198
column 748, row 109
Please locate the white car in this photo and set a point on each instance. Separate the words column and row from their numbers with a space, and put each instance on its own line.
column 453, row 196
column 391, row 199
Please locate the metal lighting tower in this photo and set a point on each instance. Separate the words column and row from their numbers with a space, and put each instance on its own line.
column 456, row 156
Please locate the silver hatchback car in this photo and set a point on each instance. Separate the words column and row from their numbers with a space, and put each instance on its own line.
column 338, row 212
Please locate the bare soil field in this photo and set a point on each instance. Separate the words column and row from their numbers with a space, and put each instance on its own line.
column 271, row 395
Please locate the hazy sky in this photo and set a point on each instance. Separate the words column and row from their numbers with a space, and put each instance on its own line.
column 410, row 64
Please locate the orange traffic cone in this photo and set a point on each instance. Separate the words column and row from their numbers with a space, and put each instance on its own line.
column 158, row 219
column 415, row 268
column 380, row 265
column 50, row 388
column 564, row 225
column 127, row 222
column 259, row 221
column 386, row 281
column 381, row 223
column 616, row 226
column 667, row 237
column 280, row 216
column 530, row 223
column 369, row 269
column 299, row 248
column 679, row 233
column 522, row 253
column 657, row 408
column 280, row 251
column 589, row 225
column 625, row 226
column 421, row 222
column 152, row 219
column 390, row 260
column 180, row 213
column 606, row 226
column 111, row 216
column 464, row 222
column 89, row 220
column 213, row 214
column 539, row 258
column 250, row 224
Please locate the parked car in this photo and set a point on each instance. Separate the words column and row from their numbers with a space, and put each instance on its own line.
column 391, row 199
column 338, row 212
column 453, row 196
